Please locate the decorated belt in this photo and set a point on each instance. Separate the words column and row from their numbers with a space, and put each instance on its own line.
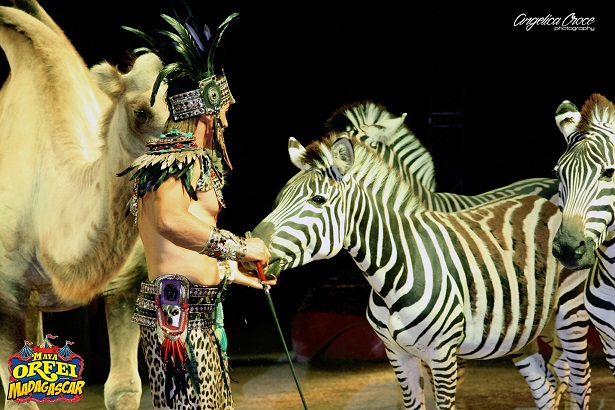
column 200, row 307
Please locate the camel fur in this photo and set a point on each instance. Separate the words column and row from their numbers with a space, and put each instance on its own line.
column 66, row 235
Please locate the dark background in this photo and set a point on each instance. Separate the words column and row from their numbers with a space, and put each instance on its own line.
column 291, row 64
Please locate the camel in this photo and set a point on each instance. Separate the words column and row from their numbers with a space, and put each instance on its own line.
column 66, row 236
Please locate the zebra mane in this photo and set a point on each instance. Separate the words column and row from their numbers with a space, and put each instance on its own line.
column 353, row 116
column 368, row 168
column 359, row 116
column 597, row 110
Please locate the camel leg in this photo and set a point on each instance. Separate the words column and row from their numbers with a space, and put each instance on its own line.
column 123, row 386
column 34, row 324
column 17, row 324
column 462, row 364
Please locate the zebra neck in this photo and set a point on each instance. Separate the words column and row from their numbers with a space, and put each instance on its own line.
column 377, row 253
column 605, row 268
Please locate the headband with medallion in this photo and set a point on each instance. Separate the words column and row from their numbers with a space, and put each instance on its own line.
column 213, row 93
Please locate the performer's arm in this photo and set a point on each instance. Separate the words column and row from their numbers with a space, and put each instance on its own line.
column 173, row 220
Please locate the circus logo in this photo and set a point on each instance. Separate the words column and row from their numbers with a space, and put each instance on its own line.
column 45, row 373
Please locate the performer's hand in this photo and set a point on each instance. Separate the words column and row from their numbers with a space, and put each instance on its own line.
column 257, row 252
column 247, row 277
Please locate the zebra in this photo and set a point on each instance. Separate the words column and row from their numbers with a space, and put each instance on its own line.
column 586, row 237
column 388, row 135
column 474, row 284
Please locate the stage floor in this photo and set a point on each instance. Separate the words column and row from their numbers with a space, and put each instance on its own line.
column 264, row 384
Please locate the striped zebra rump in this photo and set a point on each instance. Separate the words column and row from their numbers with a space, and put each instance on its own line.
column 498, row 259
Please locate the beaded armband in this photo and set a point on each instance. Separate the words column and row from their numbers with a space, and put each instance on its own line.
column 223, row 244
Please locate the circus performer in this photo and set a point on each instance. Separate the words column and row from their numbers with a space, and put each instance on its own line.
column 177, row 197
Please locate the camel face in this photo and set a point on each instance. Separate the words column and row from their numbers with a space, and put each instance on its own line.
column 131, row 93
column 147, row 121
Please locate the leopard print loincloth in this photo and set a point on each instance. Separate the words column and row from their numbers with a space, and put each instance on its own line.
column 214, row 381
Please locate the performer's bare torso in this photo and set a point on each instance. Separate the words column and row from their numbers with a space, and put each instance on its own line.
column 164, row 257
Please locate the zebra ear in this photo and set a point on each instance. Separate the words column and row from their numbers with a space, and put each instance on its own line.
column 296, row 151
column 343, row 156
column 383, row 131
column 567, row 116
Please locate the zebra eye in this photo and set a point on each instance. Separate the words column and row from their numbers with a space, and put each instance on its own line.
column 318, row 199
column 608, row 173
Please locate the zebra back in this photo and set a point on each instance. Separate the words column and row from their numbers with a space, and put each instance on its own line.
column 401, row 149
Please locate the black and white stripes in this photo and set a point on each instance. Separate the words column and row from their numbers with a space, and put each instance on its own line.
column 586, row 239
column 473, row 284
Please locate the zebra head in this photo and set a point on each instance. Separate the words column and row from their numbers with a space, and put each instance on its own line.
column 307, row 221
column 330, row 202
column 586, row 184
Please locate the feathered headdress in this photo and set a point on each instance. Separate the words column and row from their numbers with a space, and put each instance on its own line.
column 188, row 55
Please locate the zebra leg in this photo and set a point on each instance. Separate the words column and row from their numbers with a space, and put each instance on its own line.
column 602, row 313
column 444, row 371
column 580, row 383
column 558, row 369
column 532, row 367
column 428, row 389
column 558, row 365
column 409, row 376
column 462, row 364
column 607, row 337
column 572, row 326
column 407, row 367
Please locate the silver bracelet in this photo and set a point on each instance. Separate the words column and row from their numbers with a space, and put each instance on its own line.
column 223, row 244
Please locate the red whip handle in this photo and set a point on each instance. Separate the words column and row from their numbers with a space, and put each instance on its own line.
column 261, row 274
column 259, row 265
